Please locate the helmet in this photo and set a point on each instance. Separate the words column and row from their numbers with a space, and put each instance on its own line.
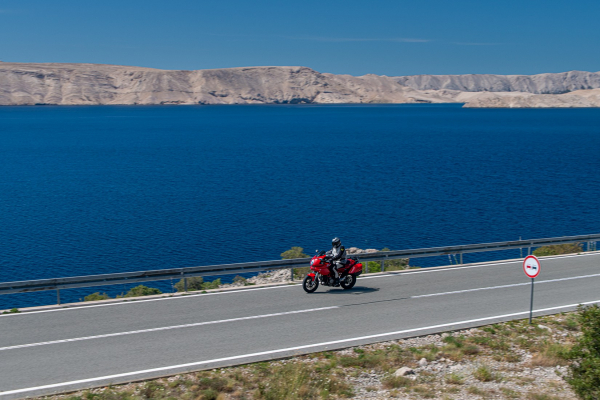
column 336, row 242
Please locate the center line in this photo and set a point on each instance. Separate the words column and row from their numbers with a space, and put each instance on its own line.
column 504, row 286
column 164, row 328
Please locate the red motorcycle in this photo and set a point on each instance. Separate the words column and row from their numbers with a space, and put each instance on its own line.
column 321, row 272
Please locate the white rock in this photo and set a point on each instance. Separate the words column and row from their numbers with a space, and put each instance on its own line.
column 404, row 371
column 423, row 362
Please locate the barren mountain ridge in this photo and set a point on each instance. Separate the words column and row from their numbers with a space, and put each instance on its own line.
column 96, row 84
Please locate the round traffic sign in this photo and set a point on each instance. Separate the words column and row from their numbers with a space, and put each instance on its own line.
column 531, row 266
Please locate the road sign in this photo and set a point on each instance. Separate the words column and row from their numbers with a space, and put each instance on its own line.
column 531, row 266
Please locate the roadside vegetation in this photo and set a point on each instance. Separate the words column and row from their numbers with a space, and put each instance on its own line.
column 137, row 291
column 557, row 249
column 557, row 357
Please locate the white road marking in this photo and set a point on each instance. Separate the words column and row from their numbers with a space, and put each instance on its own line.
column 273, row 315
column 506, row 286
column 289, row 349
column 164, row 328
column 423, row 271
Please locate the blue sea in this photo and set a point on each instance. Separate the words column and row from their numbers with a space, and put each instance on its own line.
column 101, row 189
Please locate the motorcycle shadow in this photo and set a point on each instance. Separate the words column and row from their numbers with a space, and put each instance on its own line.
column 356, row 290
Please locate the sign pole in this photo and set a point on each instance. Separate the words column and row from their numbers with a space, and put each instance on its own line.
column 531, row 303
column 531, row 267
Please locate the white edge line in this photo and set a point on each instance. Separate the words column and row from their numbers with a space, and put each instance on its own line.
column 423, row 271
column 263, row 353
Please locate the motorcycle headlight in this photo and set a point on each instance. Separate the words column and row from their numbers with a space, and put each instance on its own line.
column 312, row 262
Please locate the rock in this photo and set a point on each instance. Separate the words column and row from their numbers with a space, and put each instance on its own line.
column 423, row 362
column 404, row 371
column 545, row 327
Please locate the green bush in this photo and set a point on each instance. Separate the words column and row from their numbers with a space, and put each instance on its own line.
column 300, row 273
column 141, row 290
column 584, row 371
column 373, row 266
column 193, row 283
column 12, row 311
column 396, row 264
column 557, row 249
column 197, row 283
column 96, row 296
column 294, row 252
column 211, row 285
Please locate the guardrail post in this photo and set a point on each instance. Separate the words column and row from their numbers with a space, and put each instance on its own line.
column 461, row 258
column 292, row 274
column 185, row 284
column 382, row 265
column 520, row 249
column 58, row 296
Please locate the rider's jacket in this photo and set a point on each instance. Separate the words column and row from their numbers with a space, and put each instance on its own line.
column 338, row 254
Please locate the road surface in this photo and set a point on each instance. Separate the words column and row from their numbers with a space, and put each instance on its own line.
column 58, row 350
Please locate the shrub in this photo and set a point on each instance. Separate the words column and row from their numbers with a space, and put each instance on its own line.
column 485, row 374
column 584, row 372
column 141, row 290
column 240, row 280
column 301, row 272
column 557, row 249
column 96, row 296
column 373, row 266
column 294, row 252
column 12, row 311
column 394, row 382
column 211, row 285
column 395, row 265
column 193, row 283
column 455, row 379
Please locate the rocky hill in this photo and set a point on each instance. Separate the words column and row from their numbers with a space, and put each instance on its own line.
column 95, row 84
column 539, row 84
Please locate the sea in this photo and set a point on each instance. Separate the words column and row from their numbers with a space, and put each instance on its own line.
column 103, row 189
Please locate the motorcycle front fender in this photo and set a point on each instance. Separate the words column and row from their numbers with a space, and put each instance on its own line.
column 312, row 275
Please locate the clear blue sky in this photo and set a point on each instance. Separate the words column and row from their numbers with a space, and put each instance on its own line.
column 385, row 37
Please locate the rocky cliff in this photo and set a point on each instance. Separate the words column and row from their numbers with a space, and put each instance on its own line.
column 81, row 84
column 540, row 84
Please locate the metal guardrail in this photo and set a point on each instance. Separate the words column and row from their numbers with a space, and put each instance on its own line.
column 225, row 269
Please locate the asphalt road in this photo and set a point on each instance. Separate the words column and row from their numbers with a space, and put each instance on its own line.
column 58, row 350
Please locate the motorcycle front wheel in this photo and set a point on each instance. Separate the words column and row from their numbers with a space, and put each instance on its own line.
column 309, row 285
column 348, row 282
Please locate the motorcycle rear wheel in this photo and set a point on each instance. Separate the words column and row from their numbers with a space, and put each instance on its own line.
column 309, row 285
column 348, row 282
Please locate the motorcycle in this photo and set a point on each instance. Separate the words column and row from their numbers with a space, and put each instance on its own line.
column 321, row 272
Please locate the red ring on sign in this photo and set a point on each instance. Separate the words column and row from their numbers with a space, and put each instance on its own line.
column 538, row 264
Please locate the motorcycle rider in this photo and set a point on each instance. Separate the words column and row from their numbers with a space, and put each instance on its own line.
column 338, row 258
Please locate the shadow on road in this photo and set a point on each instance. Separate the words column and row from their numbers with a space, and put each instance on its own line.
column 356, row 290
